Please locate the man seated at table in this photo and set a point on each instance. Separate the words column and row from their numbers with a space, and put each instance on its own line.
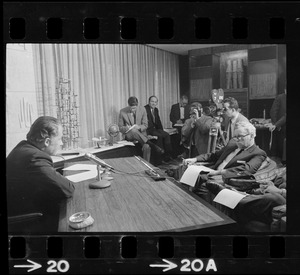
column 240, row 158
column 33, row 185
column 133, row 123
column 155, row 127
column 180, row 111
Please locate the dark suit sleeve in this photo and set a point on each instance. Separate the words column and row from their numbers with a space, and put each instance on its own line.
column 211, row 157
column 173, row 115
column 274, row 110
column 245, row 170
column 158, row 123
column 281, row 122
column 150, row 121
column 52, row 183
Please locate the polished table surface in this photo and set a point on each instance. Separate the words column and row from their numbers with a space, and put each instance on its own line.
column 136, row 203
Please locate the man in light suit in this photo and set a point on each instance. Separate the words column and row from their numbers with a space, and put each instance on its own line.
column 240, row 158
column 133, row 124
column 180, row 111
column 232, row 116
column 155, row 127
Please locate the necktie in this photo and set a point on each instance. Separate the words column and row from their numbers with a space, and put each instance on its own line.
column 152, row 111
column 134, row 117
column 229, row 158
column 230, row 130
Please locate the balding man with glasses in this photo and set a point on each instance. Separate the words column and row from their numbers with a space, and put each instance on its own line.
column 240, row 158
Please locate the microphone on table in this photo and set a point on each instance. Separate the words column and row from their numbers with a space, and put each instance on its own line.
column 98, row 161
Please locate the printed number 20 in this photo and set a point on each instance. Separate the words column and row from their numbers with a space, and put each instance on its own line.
column 186, row 263
column 61, row 266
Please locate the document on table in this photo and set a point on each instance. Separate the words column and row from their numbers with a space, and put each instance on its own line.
column 229, row 198
column 81, row 167
column 178, row 124
column 89, row 174
column 82, row 176
column 191, row 174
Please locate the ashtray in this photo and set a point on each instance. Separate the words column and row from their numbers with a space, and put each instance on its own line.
column 79, row 217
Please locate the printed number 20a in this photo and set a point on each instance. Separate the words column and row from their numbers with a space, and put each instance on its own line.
column 61, row 266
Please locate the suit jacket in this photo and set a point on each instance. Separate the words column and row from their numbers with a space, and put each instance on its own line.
column 252, row 159
column 153, row 124
column 199, row 134
column 175, row 113
column 126, row 119
column 33, row 185
column 278, row 111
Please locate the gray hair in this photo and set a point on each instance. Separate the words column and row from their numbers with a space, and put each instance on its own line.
column 247, row 126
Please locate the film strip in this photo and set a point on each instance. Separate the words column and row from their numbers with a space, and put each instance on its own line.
column 163, row 23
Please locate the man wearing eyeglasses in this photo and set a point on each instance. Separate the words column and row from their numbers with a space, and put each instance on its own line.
column 241, row 157
column 232, row 112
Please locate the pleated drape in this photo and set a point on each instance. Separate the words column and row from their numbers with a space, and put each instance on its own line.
column 104, row 76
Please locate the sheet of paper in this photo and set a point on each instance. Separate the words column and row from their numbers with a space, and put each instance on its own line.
column 82, row 176
column 229, row 198
column 191, row 174
column 80, row 167
column 178, row 124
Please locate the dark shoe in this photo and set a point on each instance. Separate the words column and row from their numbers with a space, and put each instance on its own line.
column 156, row 148
column 214, row 187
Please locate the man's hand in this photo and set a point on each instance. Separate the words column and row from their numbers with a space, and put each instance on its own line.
column 271, row 127
column 189, row 161
column 272, row 189
column 135, row 126
column 216, row 125
column 214, row 173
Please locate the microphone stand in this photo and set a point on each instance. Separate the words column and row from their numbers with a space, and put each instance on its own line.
column 103, row 181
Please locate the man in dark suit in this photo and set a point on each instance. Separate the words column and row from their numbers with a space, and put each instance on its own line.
column 33, row 185
column 155, row 127
column 232, row 116
column 240, row 158
column 133, row 123
column 180, row 111
column 278, row 118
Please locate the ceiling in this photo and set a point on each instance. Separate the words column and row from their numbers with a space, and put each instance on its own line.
column 182, row 49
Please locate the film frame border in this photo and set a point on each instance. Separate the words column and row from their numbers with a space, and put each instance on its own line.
column 257, row 28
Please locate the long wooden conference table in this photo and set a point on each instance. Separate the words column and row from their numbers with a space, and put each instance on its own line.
column 136, row 203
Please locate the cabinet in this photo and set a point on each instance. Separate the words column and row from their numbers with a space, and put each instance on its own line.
column 260, row 74
column 263, row 72
column 204, row 76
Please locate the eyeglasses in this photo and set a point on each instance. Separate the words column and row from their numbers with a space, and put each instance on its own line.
column 238, row 138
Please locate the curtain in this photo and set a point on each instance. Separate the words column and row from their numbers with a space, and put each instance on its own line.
column 104, row 76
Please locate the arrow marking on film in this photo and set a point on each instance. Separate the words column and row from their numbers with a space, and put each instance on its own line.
column 32, row 267
column 168, row 266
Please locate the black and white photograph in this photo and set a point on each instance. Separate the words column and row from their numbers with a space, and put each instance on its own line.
column 146, row 138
